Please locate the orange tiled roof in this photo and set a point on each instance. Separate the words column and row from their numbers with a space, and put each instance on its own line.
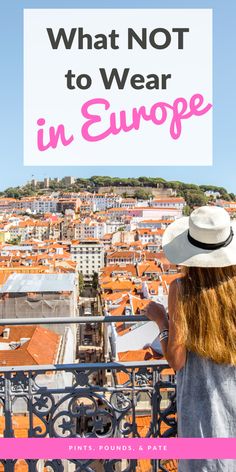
column 137, row 355
column 144, row 465
column 144, row 231
column 171, row 465
column 127, row 268
column 143, row 424
column 153, row 286
column 157, row 221
column 139, row 304
column 122, row 255
column 41, row 348
column 120, row 309
column 168, row 278
column 112, row 297
column 119, row 285
column 170, row 199
column 20, row 425
column 148, row 266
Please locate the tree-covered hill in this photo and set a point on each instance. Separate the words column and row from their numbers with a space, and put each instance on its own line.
column 192, row 193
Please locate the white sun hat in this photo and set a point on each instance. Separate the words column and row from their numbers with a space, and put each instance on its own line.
column 204, row 239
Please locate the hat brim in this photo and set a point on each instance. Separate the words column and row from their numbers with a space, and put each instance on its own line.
column 180, row 251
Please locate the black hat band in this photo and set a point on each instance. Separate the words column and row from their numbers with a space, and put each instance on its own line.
column 206, row 246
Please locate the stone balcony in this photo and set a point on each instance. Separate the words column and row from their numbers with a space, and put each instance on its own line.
column 134, row 399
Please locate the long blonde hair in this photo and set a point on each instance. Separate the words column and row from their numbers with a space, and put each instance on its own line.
column 206, row 310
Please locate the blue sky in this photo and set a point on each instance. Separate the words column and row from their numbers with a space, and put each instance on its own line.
column 223, row 171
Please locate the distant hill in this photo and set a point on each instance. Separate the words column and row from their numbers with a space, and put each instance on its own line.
column 142, row 188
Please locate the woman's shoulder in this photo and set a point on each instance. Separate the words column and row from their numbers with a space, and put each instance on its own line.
column 176, row 283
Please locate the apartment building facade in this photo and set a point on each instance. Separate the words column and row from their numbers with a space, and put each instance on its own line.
column 89, row 257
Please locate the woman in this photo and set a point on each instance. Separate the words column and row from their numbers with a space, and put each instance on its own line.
column 198, row 338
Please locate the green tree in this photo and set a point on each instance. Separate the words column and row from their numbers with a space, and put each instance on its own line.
column 14, row 241
column 13, row 192
column 186, row 210
column 95, row 280
column 141, row 194
column 81, row 283
column 195, row 199
column 226, row 197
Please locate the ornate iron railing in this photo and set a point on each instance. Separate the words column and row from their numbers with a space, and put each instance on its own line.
column 101, row 400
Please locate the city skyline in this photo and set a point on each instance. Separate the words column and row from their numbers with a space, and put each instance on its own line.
column 68, row 180
column 88, row 265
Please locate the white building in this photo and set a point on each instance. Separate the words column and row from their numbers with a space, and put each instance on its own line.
column 103, row 201
column 146, row 235
column 212, row 193
column 114, row 226
column 155, row 213
column 174, row 202
column 89, row 257
column 226, row 204
column 89, row 229
column 137, row 338
column 40, row 205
